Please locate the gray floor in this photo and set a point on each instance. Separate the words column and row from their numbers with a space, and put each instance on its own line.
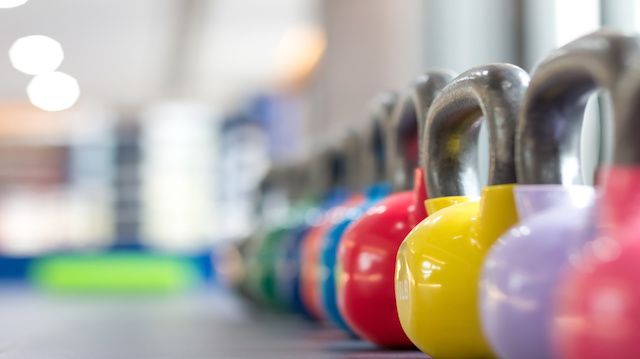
column 209, row 324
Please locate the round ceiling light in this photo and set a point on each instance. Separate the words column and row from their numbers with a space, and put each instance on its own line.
column 53, row 91
column 36, row 54
column 8, row 4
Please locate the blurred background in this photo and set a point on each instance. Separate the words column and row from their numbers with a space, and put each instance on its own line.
column 150, row 123
column 147, row 126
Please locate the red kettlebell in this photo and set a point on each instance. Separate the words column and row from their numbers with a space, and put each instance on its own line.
column 597, row 312
column 367, row 252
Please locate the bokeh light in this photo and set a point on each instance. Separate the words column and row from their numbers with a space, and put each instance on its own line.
column 36, row 54
column 8, row 4
column 54, row 91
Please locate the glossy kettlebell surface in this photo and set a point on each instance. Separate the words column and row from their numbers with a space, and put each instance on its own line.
column 597, row 310
column 439, row 262
column 556, row 214
column 367, row 253
column 369, row 165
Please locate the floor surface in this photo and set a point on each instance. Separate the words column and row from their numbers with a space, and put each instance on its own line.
column 210, row 324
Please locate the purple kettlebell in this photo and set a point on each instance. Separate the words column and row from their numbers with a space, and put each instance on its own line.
column 556, row 212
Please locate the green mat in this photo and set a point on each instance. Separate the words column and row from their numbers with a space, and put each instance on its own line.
column 115, row 273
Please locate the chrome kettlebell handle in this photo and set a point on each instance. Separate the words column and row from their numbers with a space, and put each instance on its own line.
column 491, row 93
column 550, row 125
column 627, row 125
column 424, row 90
column 358, row 159
column 408, row 122
column 297, row 181
column 403, row 126
column 327, row 170
column 380, row 114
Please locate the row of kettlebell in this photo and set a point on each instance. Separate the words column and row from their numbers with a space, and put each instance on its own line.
column 534, row 265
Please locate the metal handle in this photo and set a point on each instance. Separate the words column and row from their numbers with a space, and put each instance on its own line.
column 404, row 150
column 298, row 180
column 358, row 165
column 492, row 93
column 550, row 126
column 326, row 170
column 627, row 148
column 381, row 110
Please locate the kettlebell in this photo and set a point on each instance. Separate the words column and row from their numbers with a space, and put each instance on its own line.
column 597, row 309
column 269, row 187
column 367, row 252
column 287, row 258
column 556, row 212
column 265, row 256
column 341, row 200
column 368, row 148
column 438, row 264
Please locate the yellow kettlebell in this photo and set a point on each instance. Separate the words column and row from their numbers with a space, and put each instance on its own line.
column 438, row 264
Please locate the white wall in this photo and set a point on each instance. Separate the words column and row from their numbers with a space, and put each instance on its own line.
column 373, row 45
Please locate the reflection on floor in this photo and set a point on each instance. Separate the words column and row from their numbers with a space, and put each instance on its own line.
column 210, row 324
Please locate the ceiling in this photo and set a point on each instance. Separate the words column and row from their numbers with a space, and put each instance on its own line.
column 127, row 52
